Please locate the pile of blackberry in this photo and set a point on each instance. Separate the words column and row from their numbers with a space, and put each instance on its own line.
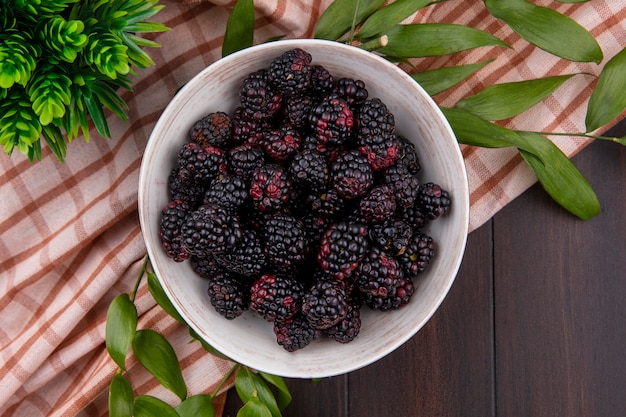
column 302, row 204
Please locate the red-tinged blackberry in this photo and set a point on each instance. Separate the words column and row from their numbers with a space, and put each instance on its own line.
column 309, row 170
column 172, row 219
column 270, row 188
column 380, row 278
column 407, row 155
column 325, row 303
column 285, row 240
column 392, row 236
column 413, row 216
column 259, row 99
column 247, row 130
column 276, row 297
column 295, row 333
column 348, row 328
column 322, row 81
column 290, row 72
column 433, row 200
column 332, row 121
column 206, row 267
column 352, row 175
column 380, row 154
column 282, row 144
column 209, row 230
column 228, row 295
column 342, row 246
column 179, row 188
column 352, row 91
column 228, row 191
column 418, row 254
column 200, row 164
column 242, row 160
column 213, row 129
column 247, row 258
column 378, row 204
column 297, row 110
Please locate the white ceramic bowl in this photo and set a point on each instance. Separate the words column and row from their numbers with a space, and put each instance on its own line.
column 248, row 339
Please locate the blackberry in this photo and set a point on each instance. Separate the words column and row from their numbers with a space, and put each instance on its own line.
column 326, row 203
column 282, row 144
column 392, row 236
column 247, row 258
column 332, row 121
column 433, row 200
column 200, row 164
column 209, row 230
column 407, row 155
column 206, row 267
column 229, row 296
column 352, row 91
column 179, row 188
column 405, row 184
column 258, row 98
column 418, row 254
column 228, row 191
column 172, row 218
column 295, row 333
column 276, row 297
column 270, row 188
column 290, row 72
column 325, row 304
column 213, row 129
column 348, row 328
column 242, row 160
column 247, row 130
column 342, row 246
column 380, row 278
column 314, row 226
column 376, row 122
column 285, row 240
column 352, row 174
column 380, row 154
column 297, row 110
column 413, row 216
column 378, row 204
column 309, row 169
column 322, row 81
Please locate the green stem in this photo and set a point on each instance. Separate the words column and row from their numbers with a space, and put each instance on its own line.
column 353, row 26
column 133, row 295
column 621, row 141
column 374, row 44
column 223, row 381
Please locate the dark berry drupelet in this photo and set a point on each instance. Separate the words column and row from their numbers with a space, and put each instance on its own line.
column 209, row 230
column 200, row 164
column 348, row 328
column 326, row 203
column 309, row 169
column 314, row 226
column 352, row 91
column 295, row 333
column 206, row 267
column 392, row 236
column 433, row 201
column 172, row 219
column 325, row 303
column 242, row 160
column 378, row 204
column 332, row 121
column 179, row 188
column 276, row 297
column 407, row 155
column 259, row 99
column 283, row 143
column 342, row 246
column 418, row 254
column 412, row 216
column 228, row 191
column 247, row 258
column 352, row 175
column 270, row 188
column 285, row 240
column 213, row 129
column 229, row 295
column 290, row 73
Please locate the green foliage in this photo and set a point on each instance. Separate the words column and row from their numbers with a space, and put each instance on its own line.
column 70, row 57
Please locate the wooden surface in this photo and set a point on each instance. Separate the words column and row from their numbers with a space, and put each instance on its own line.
column 533, row 326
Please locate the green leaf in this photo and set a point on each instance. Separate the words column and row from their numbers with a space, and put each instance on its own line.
column 120, row 397
column 148, row 406
column 249, row 385
column 547, row 29
column 207, row 346
column 94, row 107
column 501, row 101
column 156, row 354
column 239, row 28
column 121, row 326
column 200, row 405
column 561, row 179
column 161, row 298
column 389, row 16
column 254, row 407
column 435, row 39
column 55, row 140
column 608, row 99
column 440, row 79
column 340, row 16
column 284, row 396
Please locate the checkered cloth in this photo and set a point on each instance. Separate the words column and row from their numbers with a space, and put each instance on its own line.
column 69, row 232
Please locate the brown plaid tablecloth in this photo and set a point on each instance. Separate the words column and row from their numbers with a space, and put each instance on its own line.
column 69, row 232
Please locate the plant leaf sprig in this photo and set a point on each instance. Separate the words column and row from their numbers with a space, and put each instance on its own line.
column 154, row 352
column 66, row 61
